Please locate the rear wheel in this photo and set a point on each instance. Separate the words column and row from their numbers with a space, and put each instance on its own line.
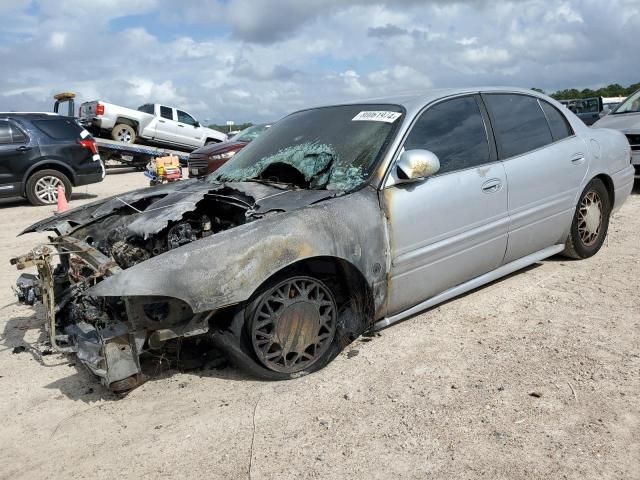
column 123, row 133
column 42, row 187
column 292, row 324
column 590, row 221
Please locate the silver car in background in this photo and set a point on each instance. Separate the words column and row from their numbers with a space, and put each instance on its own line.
column 335, row 221
column 626, row 118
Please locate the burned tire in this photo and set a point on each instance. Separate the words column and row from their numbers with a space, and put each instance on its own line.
column 42, row 187
column 123, row 133
column 291, row 325
column 590, row 222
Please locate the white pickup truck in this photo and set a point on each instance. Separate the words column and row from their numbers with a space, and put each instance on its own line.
column 150, row 123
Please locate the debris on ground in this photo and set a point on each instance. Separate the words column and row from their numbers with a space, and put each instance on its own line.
column 19, row 349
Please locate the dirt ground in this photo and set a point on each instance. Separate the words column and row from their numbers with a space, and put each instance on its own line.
column 534, row 376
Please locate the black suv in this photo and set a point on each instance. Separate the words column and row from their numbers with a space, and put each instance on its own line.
column 40, row 151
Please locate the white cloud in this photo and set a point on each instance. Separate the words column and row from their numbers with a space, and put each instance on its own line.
column 260, row 59
column 58, row 40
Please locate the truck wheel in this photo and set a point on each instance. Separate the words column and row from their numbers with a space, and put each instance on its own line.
column 123, row 133
column 42, row 187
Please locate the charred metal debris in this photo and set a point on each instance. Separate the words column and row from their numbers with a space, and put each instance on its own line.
column 126, row 276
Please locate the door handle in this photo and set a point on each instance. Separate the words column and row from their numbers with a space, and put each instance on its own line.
column 578, row 159
column 181, row 126
column 492, row 186
column 161, row 121
column 23, row 148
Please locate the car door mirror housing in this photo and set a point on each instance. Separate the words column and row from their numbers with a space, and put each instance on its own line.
column 417, row 164
column 196, row 124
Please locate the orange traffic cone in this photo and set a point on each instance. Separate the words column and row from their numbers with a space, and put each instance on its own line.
column 63, row 206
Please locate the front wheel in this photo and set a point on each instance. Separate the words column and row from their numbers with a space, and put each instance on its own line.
column 590, row 222
column 292, row 324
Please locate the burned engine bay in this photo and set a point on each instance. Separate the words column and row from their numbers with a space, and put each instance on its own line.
column 103, row 239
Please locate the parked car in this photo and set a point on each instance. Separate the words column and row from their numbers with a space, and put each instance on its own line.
column 336, row 220
column 209, row 158
column 626, row 118
column 40, row 151
column 152, row 123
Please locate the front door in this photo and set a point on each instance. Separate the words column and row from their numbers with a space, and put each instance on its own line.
column 187, row 130
column 451, row 227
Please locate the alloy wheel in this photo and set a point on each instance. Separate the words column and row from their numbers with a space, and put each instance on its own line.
column 46, row 189
column 590, row 218
column 294, row 324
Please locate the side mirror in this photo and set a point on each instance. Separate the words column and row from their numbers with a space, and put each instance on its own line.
column 417, row 164
column 196, row 124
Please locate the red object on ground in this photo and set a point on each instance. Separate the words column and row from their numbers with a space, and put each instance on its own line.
column 63, row 206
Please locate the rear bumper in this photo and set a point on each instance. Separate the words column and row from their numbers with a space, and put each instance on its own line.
column 88, row 178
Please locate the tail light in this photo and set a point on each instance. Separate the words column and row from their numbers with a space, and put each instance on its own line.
column 99, row 109
column 90, row 144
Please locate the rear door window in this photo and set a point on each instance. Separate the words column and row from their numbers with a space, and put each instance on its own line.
column 166, row 112
column 559, row 125
column 5, row 133
column 59, row 128
column 454, row 130
column 518, row 123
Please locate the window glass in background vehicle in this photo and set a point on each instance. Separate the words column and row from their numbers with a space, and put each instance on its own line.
column 559, row 125
column 166, row 112
column 59, row 129
column 454, row 130
column 146, row 108
column 185, row 118
column 518, row 123
column 5, row 132
column 334, row 148
column 630, row 105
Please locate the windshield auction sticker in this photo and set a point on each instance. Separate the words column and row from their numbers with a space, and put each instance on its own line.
column 377, row 116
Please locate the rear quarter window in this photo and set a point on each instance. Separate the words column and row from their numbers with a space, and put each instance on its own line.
column 59, row 129
column 559, row 125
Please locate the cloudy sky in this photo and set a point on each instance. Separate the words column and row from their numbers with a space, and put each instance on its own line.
column 256, row 60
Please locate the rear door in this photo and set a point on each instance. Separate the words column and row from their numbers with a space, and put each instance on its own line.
column 16, row 151
column 545, row 164
column 452, row 226
column 166, row 125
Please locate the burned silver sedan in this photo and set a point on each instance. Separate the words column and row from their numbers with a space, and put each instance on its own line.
column 336, row 221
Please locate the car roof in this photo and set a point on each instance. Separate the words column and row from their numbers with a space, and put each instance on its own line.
column 30, row 115
column 416, row 100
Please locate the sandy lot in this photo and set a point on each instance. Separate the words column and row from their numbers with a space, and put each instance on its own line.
column 445, row 394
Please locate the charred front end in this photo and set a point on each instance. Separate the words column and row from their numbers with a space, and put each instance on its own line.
column 109, row 333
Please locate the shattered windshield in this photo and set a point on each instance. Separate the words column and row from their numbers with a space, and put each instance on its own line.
column 333, row 148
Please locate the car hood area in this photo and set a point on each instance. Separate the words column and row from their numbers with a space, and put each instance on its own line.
column 625, row 122
column 217, row 148
column 148, row 211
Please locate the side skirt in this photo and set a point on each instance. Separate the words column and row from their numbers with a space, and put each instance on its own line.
column 471, row 284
